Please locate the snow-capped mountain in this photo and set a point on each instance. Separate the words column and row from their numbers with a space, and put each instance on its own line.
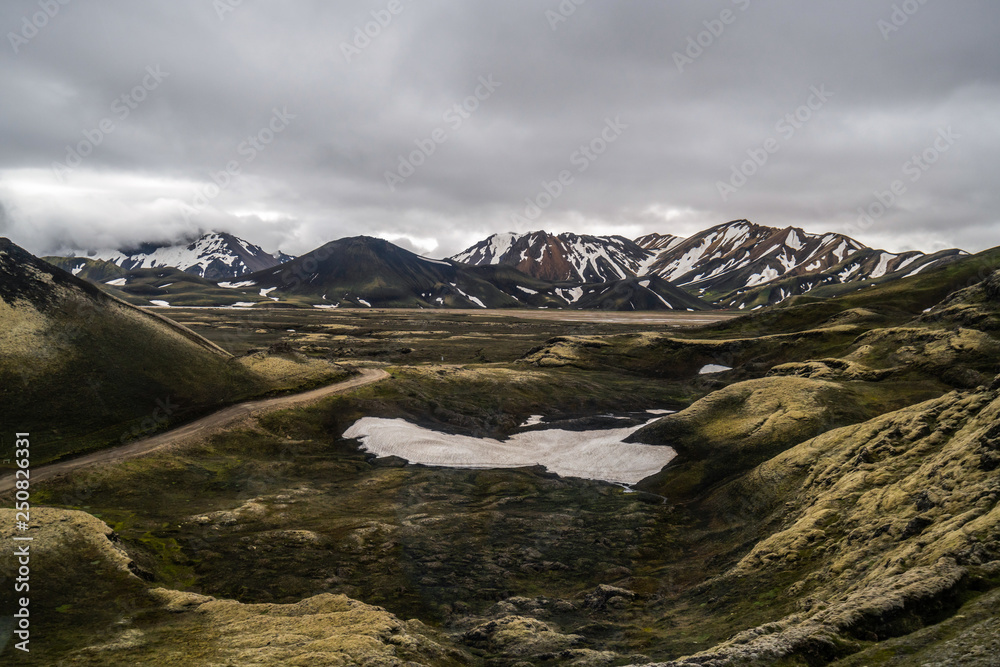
column 872, row 266
column 733, row 264
column 215, row 256
column 728, row 261
column 740, row 254
column 557, row 257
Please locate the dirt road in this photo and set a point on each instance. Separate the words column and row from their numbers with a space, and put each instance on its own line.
column 197, row 429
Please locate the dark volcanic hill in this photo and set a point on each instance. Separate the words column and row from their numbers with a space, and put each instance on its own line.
column 365, row 271
column 642, row 293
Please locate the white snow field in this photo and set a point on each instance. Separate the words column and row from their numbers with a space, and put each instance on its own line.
column 597, row 455
column 713, row 368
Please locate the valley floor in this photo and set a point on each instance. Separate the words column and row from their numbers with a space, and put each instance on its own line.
column 834, row 501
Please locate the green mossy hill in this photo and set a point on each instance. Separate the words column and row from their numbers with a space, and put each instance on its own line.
column 882, row 528
column 85, row 594
column 737, row 427
column 671, row 356
column 80, row 369
column 976, row 307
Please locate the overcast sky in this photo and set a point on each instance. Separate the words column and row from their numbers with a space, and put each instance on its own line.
column 115, row 116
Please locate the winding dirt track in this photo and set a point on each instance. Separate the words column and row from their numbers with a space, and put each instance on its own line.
column 197, row 429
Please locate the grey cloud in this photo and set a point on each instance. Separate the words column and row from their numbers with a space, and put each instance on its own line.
column 324, row 176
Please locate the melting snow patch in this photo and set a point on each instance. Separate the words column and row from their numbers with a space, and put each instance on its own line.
column 765, row 276
column 532, row 420
column 363, row 302
column 919, row 269
column 266, row 291
column 572, row 295
column 243, row 304
column 77, row 270
column 713, row 368
column 883, row 265
column 662, row 300
column 245, row 283
column 157, row 302
column 326, row 305
column 117, row 282
column 660, row 412
column 598, row 455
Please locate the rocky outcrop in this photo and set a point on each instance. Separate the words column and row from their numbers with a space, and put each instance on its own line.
column 322, row 630
column 326, row 629
column 892, row 520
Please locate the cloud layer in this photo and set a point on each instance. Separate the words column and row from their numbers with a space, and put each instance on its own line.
column 434, row 124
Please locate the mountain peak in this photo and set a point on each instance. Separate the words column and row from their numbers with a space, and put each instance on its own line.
column 560, row 257
column 213, row 255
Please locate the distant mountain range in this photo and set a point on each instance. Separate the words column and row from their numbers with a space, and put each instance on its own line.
column 738, row 264
column 368, row 272
column 215, row 256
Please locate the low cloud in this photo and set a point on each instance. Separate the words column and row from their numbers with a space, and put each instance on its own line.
column 323, row 176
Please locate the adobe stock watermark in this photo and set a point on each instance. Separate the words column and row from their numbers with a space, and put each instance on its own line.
column 455, row 116
column 900, row 16
column 912, row 170
column 247, row 150
column 714, row 29
column 31, row 26
column 157, row 420
column 582, row 158
column 364, row 35
column 786, row 127
column 121, row 109
column 224, row 7
column 562, row 12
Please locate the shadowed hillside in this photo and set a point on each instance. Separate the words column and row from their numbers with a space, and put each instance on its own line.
column 81, row 369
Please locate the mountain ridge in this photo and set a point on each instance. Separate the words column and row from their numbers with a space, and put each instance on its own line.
column 736, row 265
column 371, row 272
column 213, row 255
column 727, row 264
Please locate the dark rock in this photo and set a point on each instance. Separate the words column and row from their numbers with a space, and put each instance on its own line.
column 602, row 596
column 923, row 501
column 916, row 526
